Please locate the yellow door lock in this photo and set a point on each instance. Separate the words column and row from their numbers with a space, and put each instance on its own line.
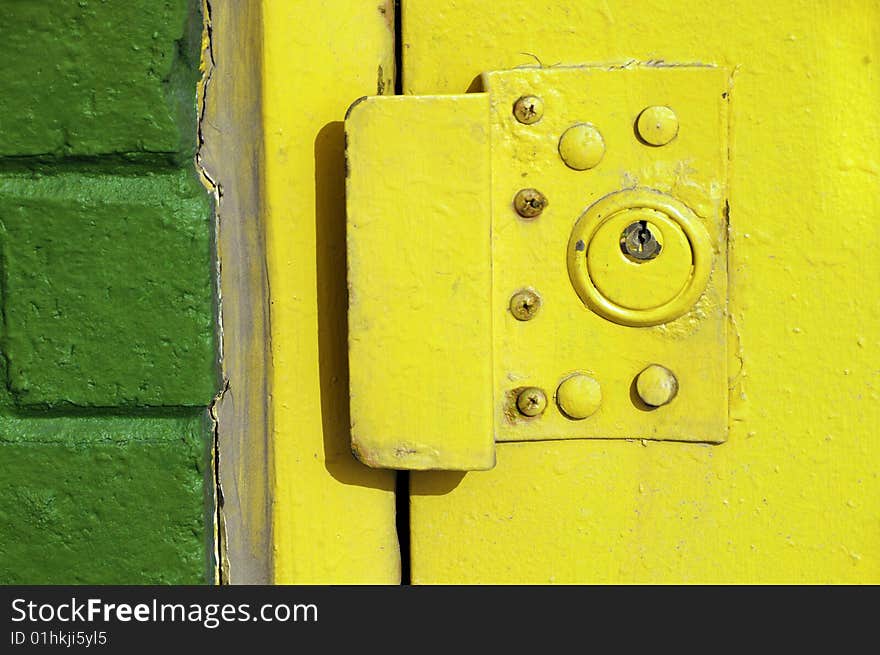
column 543, row 260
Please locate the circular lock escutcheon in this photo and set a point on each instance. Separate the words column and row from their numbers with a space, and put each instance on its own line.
column 639, row 257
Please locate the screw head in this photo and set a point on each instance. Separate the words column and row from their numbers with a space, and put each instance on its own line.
column 657, row 125
column 656, row 385
column 524, row 304
column 639, row 241
column 531, row 401
column 579, row 396
column 528, row 109
column 581, row 147
column 529, row 203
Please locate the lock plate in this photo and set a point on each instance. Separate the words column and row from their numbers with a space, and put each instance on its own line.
column 604, row 314
column 514, row 266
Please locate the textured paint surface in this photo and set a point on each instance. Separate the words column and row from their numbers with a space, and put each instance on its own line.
column 414, row 403
column 86, row 78
column 793, row 495
column 108, row 335
column 104, row 501
column 108, row 297
column 231, row 153
column 333, row 518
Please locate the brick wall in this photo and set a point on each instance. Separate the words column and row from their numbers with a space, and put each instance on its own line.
column 109, row 346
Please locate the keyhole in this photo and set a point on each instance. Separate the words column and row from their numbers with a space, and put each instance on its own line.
column 639, row 243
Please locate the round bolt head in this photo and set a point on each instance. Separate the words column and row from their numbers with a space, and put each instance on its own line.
column 581, row 147
column 524, row 304
column 656, row 385
column 528, row 109
column 657, row 125
column 640, row 241
column 529, row 203
column 579, row 396
column 531, row 401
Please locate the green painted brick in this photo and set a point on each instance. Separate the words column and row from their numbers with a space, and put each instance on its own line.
column 108, row 290
column 104, row 501
column 108, row 344
column 95, row 77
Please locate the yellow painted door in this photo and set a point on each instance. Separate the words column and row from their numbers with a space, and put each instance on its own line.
column 792, row 494
column 779, row 480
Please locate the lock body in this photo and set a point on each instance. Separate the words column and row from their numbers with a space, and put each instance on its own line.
column 540, row 264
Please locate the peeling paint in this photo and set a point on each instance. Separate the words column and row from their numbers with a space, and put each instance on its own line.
column 230, row 158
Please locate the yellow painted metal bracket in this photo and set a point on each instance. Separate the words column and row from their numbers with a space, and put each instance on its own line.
column 606, row 315
column 420, row 336
column 545, row 260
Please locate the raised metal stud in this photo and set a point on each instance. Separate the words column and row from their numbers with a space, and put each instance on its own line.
column 657, row 125
column 579, row 396
column 581, row 147
column 656, row 385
